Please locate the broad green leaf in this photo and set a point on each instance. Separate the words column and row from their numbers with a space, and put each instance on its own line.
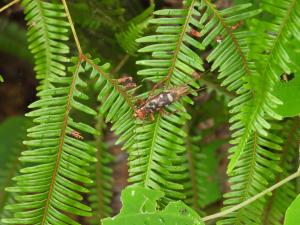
column 292, row 216
column 140, row 208
column 289, row 94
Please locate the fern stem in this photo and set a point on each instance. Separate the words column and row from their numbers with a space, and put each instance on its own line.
column 254, row 198
column 149, row 164
column 8, row 5
column 73, row 29
column 62, row 139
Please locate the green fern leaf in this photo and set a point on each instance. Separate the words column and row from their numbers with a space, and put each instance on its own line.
column 135, row 29
column 270, row 60
column 174, row 49
column 10, row 149
column 117, row 105
column 256, row 151
column 48, row 188
column 230, row 56
column 101, row 190
column 47, row 31
column 194, row 188
column 258, row 167
column 282, row 197
column 158, row 159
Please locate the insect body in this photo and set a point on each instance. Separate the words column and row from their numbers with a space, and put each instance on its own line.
column 158, row 102
column 195, row 33
column 76, row 134
column 127, row 82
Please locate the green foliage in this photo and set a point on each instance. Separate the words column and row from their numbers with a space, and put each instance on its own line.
column 47, row 32
column 282, row 197
column 135, row 29
column 116, row 104
column 48, row 187
column 195, row 189
column 10, row 149
column 101, row 172
column 157, row 160
column 292, row 216
column 1, row 79
column 289, row 94
column 67, row 163
column 140, row 207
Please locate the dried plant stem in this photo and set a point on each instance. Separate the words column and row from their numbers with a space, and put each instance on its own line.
column 8, row 5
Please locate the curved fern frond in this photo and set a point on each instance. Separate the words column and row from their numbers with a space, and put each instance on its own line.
column 100, row 195
column 255, row 147
column 231, row 57
column 253, row 119
column 159, row 155
column 135, row 29
column 50, row 187
column 47, row 31
column 270, row 59
column 282, row 197
column 10, row 149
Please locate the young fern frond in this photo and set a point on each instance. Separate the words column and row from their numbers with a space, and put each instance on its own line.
column 158, row 157
column 100, row 195
column 47, row 33
column 50, row 187
column 194, row 188
column 282, row 197
column 135, row 29
column 10, row 149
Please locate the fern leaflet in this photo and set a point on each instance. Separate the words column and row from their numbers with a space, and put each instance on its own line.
column 47, row 32
column 48, row 187
column 158, row 157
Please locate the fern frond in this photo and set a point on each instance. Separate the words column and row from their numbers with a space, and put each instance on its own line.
column 158, row 158
column 100, row 195
column 10, row 149
column 256, row 167
column 271, row 59
column 50, row 187
column 174, row 48
column 47, row 33
column 117, row 105
column 282, row 197
column 194, row 187
column 230, row 56
column 135, row 29
column 254, row 146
